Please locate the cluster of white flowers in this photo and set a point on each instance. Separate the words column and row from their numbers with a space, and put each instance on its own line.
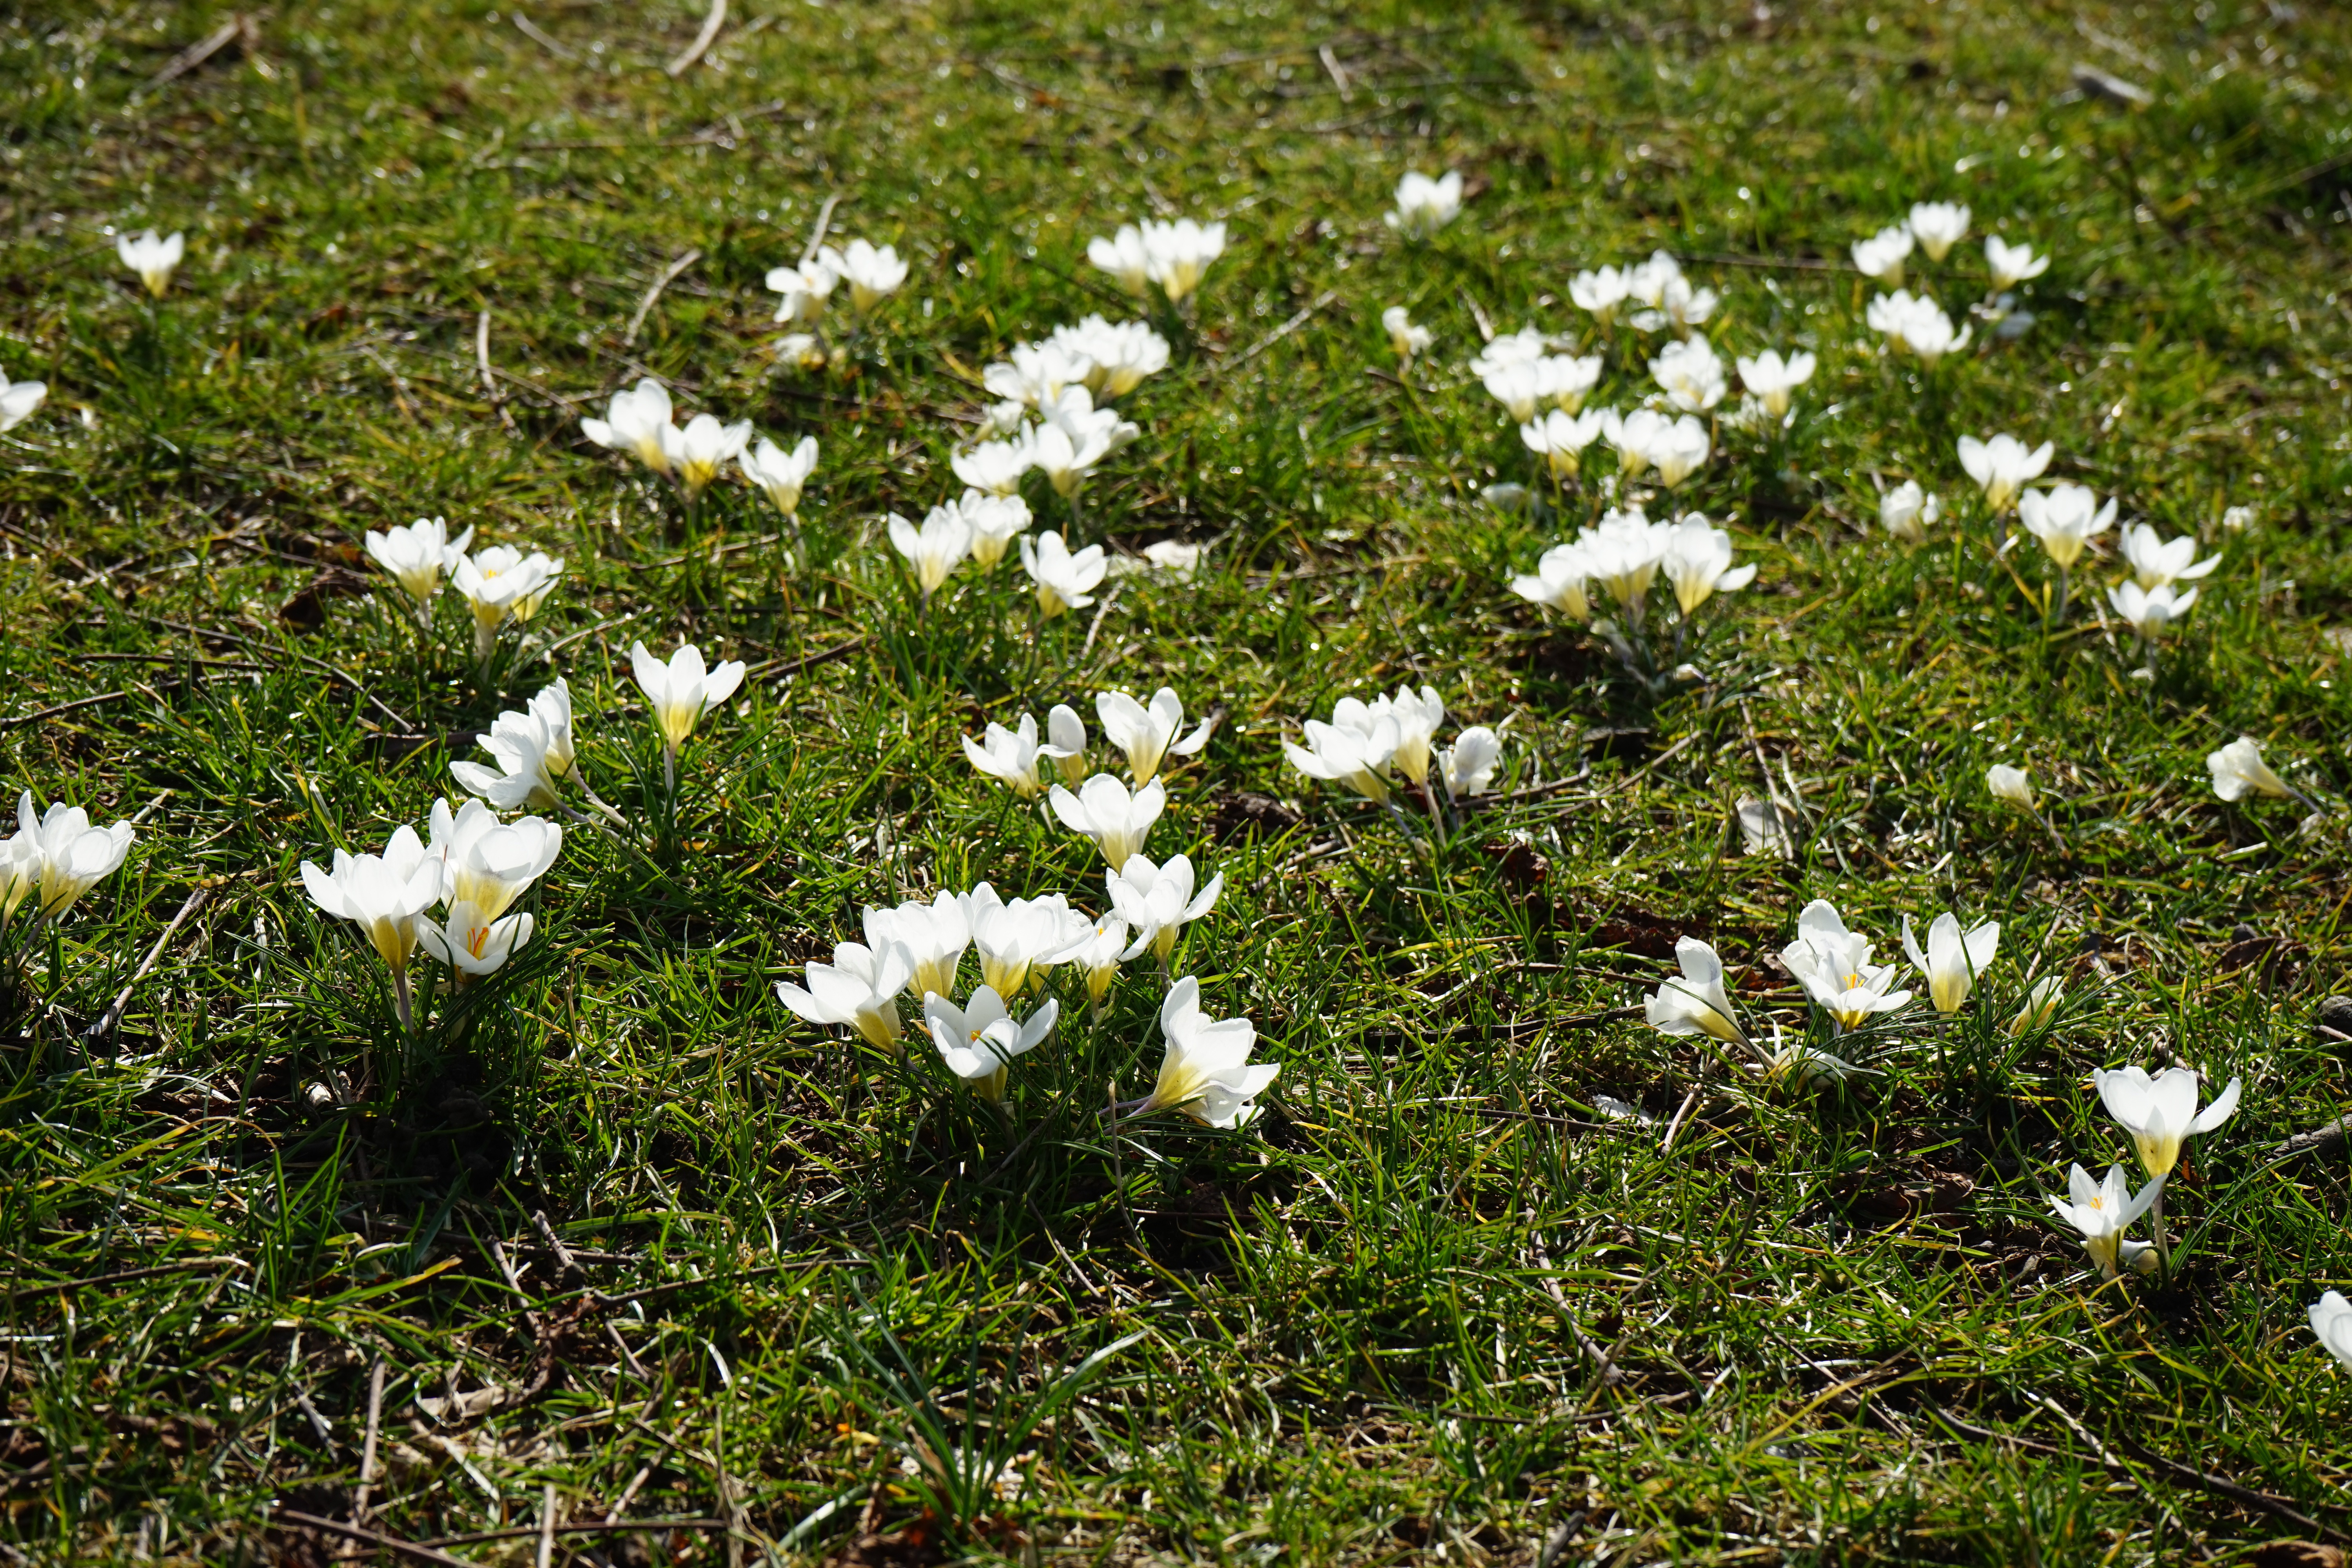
column 638, row 422
column 500, row 585
column 1173, row 256
column 872, row 272
column 55, row 858
column 1367, row 745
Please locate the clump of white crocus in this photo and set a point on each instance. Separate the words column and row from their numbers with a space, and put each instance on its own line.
column 860, row 989
column 994, row 467
column 2041, row 1006
column 2103, row 1211
column 1916, row 324
column 533, row 749
column 1416, row 716
column 2239, row 770
column 1622, row 556
column 1560, row 440
column 873, row 273
column 2331, row 1321
column 1833, row 965
column 779, row 475
column 1157, row 901
column 1691, row 374
column 637, row 422
column 1881, row 257
column 1118, row 354
column 1066, row 742
column 1180, row 254
column 680, row 692
column 1424, row 205
column 1404, row 337
column 2011, row 264
column 1907, row 512
column 1097, row 950
column 63, row 853
column 1010, row 756
column 934, row 935
column 1939, row 226
column 1698, row 562
column 488, row 863
column 1468, row 766
column 2155, row 561
column 499, row 583
column 704, row 446
column 1603, row 291
column 2003, row 467
column 1018, row 939
column 2150, row 612
column 1337, row 754
column 1698, row 1002
column 1065, row 578
column 1558, row 581
column 1034, row 374
column 382, row 895
column 1206, row 1073
column 1953, row 958
column 1774, row 380
column 1125, row 257
column 472, row 944
column 934, row 550
column 151, row 257
column 1148, row 733
column 416, row 556
column 1118, row 819
column 18, row 399
column 979, row 1039
column 995, row 522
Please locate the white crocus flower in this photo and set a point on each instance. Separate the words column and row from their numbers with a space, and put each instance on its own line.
column 1417, row 717
column 2239, row 770
column 872, row 272
column 1147, row 734
column 805, row 291
column 1520, row 387
column 680, row 692
column 151, row 258
column 73, row 856
column 996, row 467
column 1917, row 324
column 933, row 934
column 1075, row 439
column 499, row 583
column 1468, row 766
column 2331, row 1321
column 1648, row 280
column 1009, row 755
column 860, row 989
column 2065, row 518
column 2155, row 561
column 1561, row 439
column 1908, row 512
column 1686, row 306
column 1774, row 380
column 20, row 868
column 698, row 452
column 382, row 895
column 979, row 1039
column 2103, row 1212
column 18, row 399
column 781, row 475
column 1019, row 940
column 1035, row 374
column 1568, row 379
column 1339, row 754
column 1180, row 254
column 533, row 749
column 995, row 521
column 1065, row 578
column 1679, row 450
column 1696, row 1003
column 1558, row 582
column 1939, row 226
column 2150, row 612
column 1097, row 950
column 1631, row 436
column 1953, row 958
column 1118, row 354
column 1118, row 820
column 1602, row 292
column 1691, row 374
column 1622, row 555
column 416, row 556
column 1697, row 562
column 1125, row 257
column 1525, row 346
column 1157, row 901
column 1881, row 255
column 488, row 863
column 1066, row 742
column 2010, row 784
column 933, row 550
column 2160, row 1112
column 1424, row 205
column 1405, row 338
column 2011, row 264
column 1206, row 1073
column 637, row 422
column 473, row 945
column 1833, row 964
column 2003, row 466
column 2041, row 1006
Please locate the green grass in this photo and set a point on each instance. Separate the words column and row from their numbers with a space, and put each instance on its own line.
column 1437, row 1299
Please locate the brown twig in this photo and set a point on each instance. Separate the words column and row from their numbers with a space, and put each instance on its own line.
column 197, row 53
column 369, row 1538
column 531, row 30
column 669, row 275
column 107, row 1026
column 36, row 718
column 702, row 40
column 186, row 1265
column 1280, row 332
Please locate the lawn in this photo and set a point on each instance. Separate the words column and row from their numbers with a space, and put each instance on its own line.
column 611, row 1257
